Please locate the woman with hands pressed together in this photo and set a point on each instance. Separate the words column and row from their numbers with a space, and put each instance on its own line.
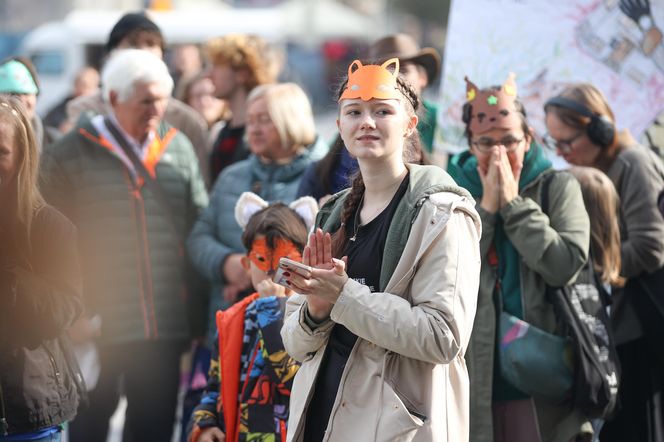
column 523, row 250
column 382, row 321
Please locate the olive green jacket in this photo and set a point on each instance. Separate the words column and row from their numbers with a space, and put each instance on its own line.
column 552, row 249
column 131, row 250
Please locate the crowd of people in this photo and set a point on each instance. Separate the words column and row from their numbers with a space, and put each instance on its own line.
column 361, row 288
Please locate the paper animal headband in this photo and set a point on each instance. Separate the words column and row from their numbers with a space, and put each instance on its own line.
column 372, row 81
column 250, row 203
column 492, row 109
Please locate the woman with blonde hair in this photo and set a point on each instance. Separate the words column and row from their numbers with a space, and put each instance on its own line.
column 282, row 138
column 39, row 293
column 582, row 129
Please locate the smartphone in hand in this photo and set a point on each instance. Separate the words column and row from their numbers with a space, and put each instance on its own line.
column 286, row 265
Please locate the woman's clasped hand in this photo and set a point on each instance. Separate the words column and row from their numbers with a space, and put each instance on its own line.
column 327, row 278
column 500, row 180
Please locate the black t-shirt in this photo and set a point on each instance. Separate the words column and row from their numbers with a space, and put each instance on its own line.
column 365, row 257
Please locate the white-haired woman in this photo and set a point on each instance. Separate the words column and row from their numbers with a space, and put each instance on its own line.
column 282, row 139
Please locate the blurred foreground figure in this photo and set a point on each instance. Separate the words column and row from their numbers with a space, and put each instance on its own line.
column 39, row 293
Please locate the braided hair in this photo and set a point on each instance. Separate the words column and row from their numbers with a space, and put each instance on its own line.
column 412, row 153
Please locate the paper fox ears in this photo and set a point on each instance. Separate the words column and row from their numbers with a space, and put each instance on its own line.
column 250, row 203
column 492, row 108
column 372, row 81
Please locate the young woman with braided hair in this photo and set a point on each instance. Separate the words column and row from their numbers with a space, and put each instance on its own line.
column 382, row 320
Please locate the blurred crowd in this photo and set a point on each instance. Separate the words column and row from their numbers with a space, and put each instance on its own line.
column 482, row 297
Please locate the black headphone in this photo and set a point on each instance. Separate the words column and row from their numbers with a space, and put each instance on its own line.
column 600, row 130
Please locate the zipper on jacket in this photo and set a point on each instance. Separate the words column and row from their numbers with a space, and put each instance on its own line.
column 53, row 365
column 4, row 426
column 416, row 209
column 143, row 256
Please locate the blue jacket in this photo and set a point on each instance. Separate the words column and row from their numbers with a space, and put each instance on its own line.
column 216, row 234
column 313, row 185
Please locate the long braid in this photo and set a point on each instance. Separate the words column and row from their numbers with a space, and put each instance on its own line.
column 351, row 205
column 408, row 92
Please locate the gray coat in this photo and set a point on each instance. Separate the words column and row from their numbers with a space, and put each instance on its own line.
column 638, row 175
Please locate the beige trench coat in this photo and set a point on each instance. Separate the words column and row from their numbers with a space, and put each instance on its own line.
column 406, row 378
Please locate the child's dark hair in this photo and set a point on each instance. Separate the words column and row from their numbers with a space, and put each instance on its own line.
column 276, row 221
column 467, row 112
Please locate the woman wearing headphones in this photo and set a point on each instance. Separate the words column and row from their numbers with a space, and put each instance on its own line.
column 582, row 129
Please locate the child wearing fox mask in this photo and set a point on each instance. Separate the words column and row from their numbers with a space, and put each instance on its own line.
column 250, row 372
column 523, row 250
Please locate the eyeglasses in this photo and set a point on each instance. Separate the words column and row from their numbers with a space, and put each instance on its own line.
column 485, row 145
column 565, row 146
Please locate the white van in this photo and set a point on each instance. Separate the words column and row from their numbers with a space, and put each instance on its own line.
column 60, row 49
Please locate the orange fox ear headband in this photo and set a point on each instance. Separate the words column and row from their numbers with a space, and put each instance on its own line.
column 492, row 109
column 372, row 81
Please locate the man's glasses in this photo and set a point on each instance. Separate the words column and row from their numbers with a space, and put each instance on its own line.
column 564, row 146
column 485, row 145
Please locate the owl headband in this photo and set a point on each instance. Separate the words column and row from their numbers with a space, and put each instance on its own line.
column 372, row 81
column 491, row 109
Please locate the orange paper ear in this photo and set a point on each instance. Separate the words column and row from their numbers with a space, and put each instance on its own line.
column 372, row 81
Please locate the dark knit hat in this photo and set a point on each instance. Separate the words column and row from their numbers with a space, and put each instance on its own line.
column 134, row 21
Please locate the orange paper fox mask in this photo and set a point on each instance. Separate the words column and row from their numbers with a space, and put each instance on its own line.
column 372, row 81
column 267, row 258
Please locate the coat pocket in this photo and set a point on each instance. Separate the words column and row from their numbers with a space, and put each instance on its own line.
column 398, row 422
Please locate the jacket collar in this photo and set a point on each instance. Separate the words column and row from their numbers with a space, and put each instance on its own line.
column 154, row 151
column 424, row 181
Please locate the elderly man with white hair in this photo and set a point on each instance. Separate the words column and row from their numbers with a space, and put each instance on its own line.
column 131, row 184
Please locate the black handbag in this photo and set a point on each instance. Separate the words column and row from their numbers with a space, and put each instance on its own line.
column 581, row 307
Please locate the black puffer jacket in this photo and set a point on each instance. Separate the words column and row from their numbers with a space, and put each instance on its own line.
column 40, row 291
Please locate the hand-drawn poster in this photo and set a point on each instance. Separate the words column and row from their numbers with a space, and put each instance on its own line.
column 617, row 45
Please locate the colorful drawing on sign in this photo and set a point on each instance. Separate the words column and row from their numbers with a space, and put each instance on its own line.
column 615, row 44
